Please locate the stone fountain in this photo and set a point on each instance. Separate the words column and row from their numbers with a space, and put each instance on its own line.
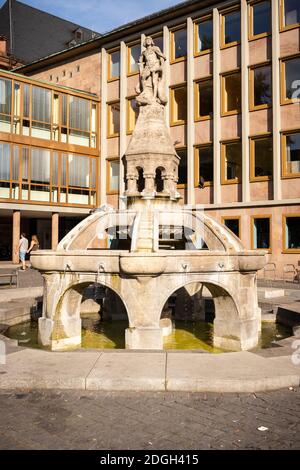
column 153, row 248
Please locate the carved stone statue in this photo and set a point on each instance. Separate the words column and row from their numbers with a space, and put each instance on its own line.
column 151, row 88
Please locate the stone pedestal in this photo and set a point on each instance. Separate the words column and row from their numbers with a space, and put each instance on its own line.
column 56, row 338
column 144, row 338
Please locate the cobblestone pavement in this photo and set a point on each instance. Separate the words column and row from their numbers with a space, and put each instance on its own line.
column 115, row 420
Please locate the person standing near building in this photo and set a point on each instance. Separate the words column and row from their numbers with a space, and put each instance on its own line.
column 34, row 245
column 23, row 247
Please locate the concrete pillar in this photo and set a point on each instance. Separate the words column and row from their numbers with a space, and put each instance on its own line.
column 103, row 127
column 144, row 338
column 276, row 102
column 123, row 110
column 166, row 33
column 55, row 225
column 16, row 236
column 245, row 102
column 217, row 107
column 190, row 116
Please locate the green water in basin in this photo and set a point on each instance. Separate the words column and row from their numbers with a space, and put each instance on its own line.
column 111, row 335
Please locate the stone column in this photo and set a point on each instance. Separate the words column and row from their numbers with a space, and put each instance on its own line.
column 123, row 110
column 276, row 110
column 245, row 102
column 16, row 236
column 55, row 225
column 167, row 70
column 217, row 107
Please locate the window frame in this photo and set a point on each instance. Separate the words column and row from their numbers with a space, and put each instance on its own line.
column 252, row 106
column 252, row 219
column 109, row 53
column 233, row 217
column 128, row 47
column 223, row 13
column 282, row 26
column 128, row 111
column 197, row 166
column 283, row 99
column 183, row 185
column 252, row 141
column 284, row 240
column 110, row 135
column 196, row 25
column 225, row 181
column 172, row 44
column 251, row 35
column 197, row 116
column 172, row 88
column 108, row 161
column 223, row 78
column 284, row 173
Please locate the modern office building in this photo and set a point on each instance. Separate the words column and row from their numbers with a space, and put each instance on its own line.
column 233, row 75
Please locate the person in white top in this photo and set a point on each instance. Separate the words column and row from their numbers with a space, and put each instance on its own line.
column 23, row 247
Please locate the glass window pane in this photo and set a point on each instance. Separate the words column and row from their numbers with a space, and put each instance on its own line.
column 5, row 96
column 94, row 173
column 233, row 225
column 182, row 169
column 292, row 68
column 205, row 98
column 79, row 113
column 26, row 95
column 15, row 163
column 159, row 42
column 262, row 85
column 293, row 153
column 133, row 112
column 134, row 55
column 40, row 166
column 64, row 169
column 261, row 18
column 293, row 233
column 114, row 169
column 41, row 104
column 114, row 118
column 261, row 234
column 232, row 93
column 232, row 27
column 55, row 169
column 115, row 64
column 79, row 171
column 205, row 35
column 206, row 165
column 233, row 161
column 64, row 118
column 291, row 12
column 25, row 163
column 263, row 157
column 180, row 43
column 4, row 162
column 179, row 104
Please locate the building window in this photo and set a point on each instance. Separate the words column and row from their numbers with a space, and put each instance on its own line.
column 291, row 154
column 113, row 111
column 178, row 105
column 134, row 53
column 41, row 113
column 231, row 93
column 231, row 162
column 64, row 73
column 51, row 78
column 233, row 223
column 260, row 19
column 77, row 68
column 260, row 87
column 113, row 171
column 113, row 59
column 231, row 28
column 182, row 169
column 290, row 79
column 203, row 99
column 159, row 41
column 291, row 233
column 203, row 36
column 5, row 104
column 261, row 157
column 178, row 44
column 261, row 232
column 132, row 114
column 204, row 166
column 290, row 13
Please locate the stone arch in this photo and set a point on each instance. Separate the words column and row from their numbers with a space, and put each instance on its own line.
column 231, row 331
column 159, row 179
column 141, row 179
column 66, row 330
